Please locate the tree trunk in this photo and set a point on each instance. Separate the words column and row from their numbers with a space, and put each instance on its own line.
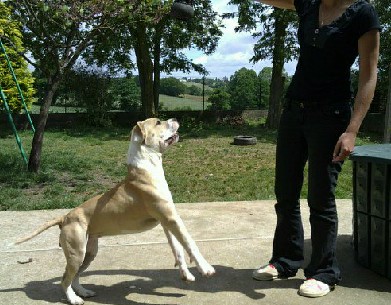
column 145, row 70
column 277, row 82
column 36, row 148
column 275, row 100
column 387, row 119
column 156, row 62
column 156, row 86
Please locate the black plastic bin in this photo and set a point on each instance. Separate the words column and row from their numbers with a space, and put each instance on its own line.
column 371, row 207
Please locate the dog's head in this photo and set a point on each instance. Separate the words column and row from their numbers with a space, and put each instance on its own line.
column 156, row 134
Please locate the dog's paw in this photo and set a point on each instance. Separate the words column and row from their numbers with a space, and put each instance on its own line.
column 75, row 300
column 72, row 297
column 206, row 270
column 186, row 275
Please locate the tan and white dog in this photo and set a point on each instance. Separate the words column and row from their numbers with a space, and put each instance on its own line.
column 139, row 203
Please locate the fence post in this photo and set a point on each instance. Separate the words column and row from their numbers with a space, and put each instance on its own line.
column 387, row 119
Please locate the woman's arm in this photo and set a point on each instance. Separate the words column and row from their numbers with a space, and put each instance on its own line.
column 288, row 4
column 368, row 49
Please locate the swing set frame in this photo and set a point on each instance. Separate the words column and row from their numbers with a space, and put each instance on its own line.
column 7, row 108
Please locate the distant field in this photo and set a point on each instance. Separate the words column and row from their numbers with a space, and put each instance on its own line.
column 199, row 85
column 188, row 102
column 179, row 103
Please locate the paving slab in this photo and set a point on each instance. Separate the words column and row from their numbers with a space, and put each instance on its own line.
column 235, row 237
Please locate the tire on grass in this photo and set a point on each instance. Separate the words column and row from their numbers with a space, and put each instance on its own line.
column 245, row 140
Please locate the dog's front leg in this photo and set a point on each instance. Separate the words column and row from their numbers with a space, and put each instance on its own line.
column 175, row 225
column 179, row 255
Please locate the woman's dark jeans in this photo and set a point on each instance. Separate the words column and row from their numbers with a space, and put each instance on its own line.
column 308, row 133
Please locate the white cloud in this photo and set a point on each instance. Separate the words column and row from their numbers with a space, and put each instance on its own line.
column 203, row 59
column 234, row 51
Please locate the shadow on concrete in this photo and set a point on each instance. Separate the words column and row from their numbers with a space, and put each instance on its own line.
column 151, row 283
column 353, row 274
column 165, row 283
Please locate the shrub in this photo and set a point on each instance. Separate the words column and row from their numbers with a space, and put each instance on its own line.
column 172, row 87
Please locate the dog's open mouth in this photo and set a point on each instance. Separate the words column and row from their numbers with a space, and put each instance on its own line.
column 173, row 139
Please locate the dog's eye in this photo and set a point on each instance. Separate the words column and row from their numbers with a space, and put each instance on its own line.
column 158, row 122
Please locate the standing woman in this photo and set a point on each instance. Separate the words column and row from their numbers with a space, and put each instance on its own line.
column 318, row 125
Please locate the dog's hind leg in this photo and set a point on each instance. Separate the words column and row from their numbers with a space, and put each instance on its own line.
column 91, row 251
column 179, row 255
column 73, row 240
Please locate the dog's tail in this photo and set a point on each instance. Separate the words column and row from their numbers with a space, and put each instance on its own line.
column 51, row 223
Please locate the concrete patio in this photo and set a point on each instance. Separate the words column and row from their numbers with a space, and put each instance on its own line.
column 235, row 237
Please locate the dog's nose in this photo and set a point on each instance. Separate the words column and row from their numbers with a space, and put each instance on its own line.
column 173, row 123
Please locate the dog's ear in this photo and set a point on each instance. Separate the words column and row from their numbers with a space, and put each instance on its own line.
column 138, row 134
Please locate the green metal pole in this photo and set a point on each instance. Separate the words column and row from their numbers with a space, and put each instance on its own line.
column 17, row 85
column 11, row 121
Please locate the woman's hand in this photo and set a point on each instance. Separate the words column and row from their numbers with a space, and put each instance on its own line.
column 344, row 146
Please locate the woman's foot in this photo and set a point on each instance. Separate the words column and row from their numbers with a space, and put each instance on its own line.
column 313, row 288
column 265, row 273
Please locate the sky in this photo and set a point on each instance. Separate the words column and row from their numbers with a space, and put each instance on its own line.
column 233, row 52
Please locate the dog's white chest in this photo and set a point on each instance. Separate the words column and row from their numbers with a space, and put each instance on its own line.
column 152, row 163
column 163, row 190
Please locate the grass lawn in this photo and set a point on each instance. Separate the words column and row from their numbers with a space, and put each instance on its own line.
column 203, row 166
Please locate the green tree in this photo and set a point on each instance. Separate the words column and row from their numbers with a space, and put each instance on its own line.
column 219, row 100
column 275, row 29
column 157, row 41
column 91, row 89
column 118, row 92
column 11, row 38
column 244, row 89
column 57, row 33
column 265, row 78
column 194, row 90
column 126, row 94
column 172, row 86
column 383, row 9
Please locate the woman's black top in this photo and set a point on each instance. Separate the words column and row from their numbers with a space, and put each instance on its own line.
column 328, row 52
